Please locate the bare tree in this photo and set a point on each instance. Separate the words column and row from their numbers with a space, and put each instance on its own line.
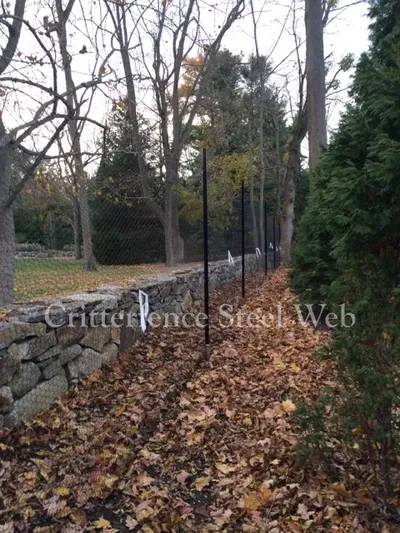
column 261, row 67
column 293, row 165
column 180, row 27
column 35, row 128
column 75, row 133
column 315, row 60
column 7, row 236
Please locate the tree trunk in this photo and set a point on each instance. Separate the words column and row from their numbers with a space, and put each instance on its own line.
column 262, row 158
column 317, row 134
column 278, row 167
column 75, row 138
column 77, row 229
column 89, row 260
column 251, row 182
column 290, row 183
column 7, row 233
column 289, row 196
column 260, row 67
column 174, row 244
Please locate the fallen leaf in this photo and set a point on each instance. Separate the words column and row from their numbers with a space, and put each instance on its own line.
column 63, row 491
column 224, row 468
column 341, row 489
column 288, row 406
column 102, row 523
column 222, row 517
column 200, row 483
column 131, row 523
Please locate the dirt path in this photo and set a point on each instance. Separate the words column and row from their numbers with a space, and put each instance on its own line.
column 166, row 443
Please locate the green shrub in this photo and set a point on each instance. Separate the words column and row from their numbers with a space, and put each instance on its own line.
column 348, row 250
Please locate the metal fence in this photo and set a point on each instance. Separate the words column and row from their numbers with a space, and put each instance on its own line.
column 128, row 230
column 221, row 229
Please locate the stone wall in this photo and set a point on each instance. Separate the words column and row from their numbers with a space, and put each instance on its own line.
column 37, row 251
column 42, row 355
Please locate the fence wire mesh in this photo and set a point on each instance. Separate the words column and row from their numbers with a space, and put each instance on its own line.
column 131, row 245
column 127, row 228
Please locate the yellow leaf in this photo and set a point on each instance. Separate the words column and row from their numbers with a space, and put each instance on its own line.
column 62, row 491
column 257, row 459
column 386, row 337
column 144, row 513
column 266, row 493
column 288, row 406
column 102, row 523
column 104, row 456
column 252, row 501
column 247, row 421
column 201, row 482
column 109, row 480
column 277, row 361
column 194, row 438
column 224, row 468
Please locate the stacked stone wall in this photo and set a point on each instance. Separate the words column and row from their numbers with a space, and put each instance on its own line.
column 44, row 352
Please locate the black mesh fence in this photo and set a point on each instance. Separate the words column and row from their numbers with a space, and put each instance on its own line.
column 143, row 252
column 128, row 230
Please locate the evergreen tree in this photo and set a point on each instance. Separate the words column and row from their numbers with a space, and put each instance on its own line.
column 347, row 250
column 126, row 231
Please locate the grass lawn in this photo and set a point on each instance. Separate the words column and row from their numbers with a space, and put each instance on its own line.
column 38, row 278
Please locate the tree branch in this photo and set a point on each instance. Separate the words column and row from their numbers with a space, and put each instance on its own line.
column 14, row 34
column 31, row 169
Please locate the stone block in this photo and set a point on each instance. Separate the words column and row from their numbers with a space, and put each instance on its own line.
column 165, row 291
column 187, row 301
column 109, row 353
column 48, row 355
column 130, row 332
column 25, row 379
column 52, row 370
column 30, row 349
column 8, row 366
column 72, row 372
column 67, row 335
column 6, row 399
column 38, row 399
column 88, row 362
column 99, row 301
column 70, row 353
column 97, row 338
column 17, row 331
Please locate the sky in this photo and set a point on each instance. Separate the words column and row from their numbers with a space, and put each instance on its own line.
column 347, row 33
column 276, row 21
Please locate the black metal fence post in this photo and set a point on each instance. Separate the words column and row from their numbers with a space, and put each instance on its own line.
column 243, row 247
column 274, row 243
column 205, row 244
column 279, row 242
column 266, row 244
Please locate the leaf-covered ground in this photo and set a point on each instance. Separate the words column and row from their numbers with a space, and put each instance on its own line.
column 164, row 442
